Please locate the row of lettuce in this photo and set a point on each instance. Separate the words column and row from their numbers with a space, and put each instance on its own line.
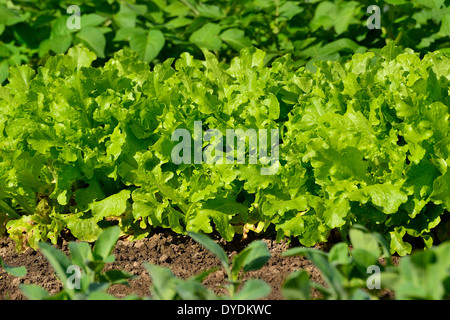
column 363, row 141
column 157, row 30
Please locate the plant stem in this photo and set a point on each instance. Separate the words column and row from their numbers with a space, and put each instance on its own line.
column 187, row 4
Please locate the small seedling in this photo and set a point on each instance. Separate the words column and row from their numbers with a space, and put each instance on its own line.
column 82, row 275
column 251, row 258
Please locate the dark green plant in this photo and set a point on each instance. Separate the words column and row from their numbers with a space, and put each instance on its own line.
column 344, row 269
column 348, row 271
column 424, row 275
column 15, row 271
column 308, row 29
column 253, row 257
column 168, row 287
column 91, row 282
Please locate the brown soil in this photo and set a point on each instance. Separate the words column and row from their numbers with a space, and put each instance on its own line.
column 180, row 253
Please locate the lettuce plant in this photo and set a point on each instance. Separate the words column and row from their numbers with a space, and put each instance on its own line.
column 363, row 141
column 310, row 30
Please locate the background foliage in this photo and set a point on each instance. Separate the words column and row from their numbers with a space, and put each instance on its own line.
column 86, row 118
column 310, row 30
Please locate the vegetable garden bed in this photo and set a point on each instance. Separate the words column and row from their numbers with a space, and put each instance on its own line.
column 179, row 253
column 186, row 133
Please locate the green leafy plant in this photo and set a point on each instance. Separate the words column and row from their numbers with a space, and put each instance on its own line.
column 15, row 271
column 168, row 287
column 91, row 282
column 363, row 141
column 158, row 30
column 82, row 275
column 344, row 268
column 347, row 270
column 422, row 275
column 253, row 257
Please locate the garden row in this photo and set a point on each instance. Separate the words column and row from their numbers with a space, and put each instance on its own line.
column 364, row 141
column 157, row 30
column 293, row 119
